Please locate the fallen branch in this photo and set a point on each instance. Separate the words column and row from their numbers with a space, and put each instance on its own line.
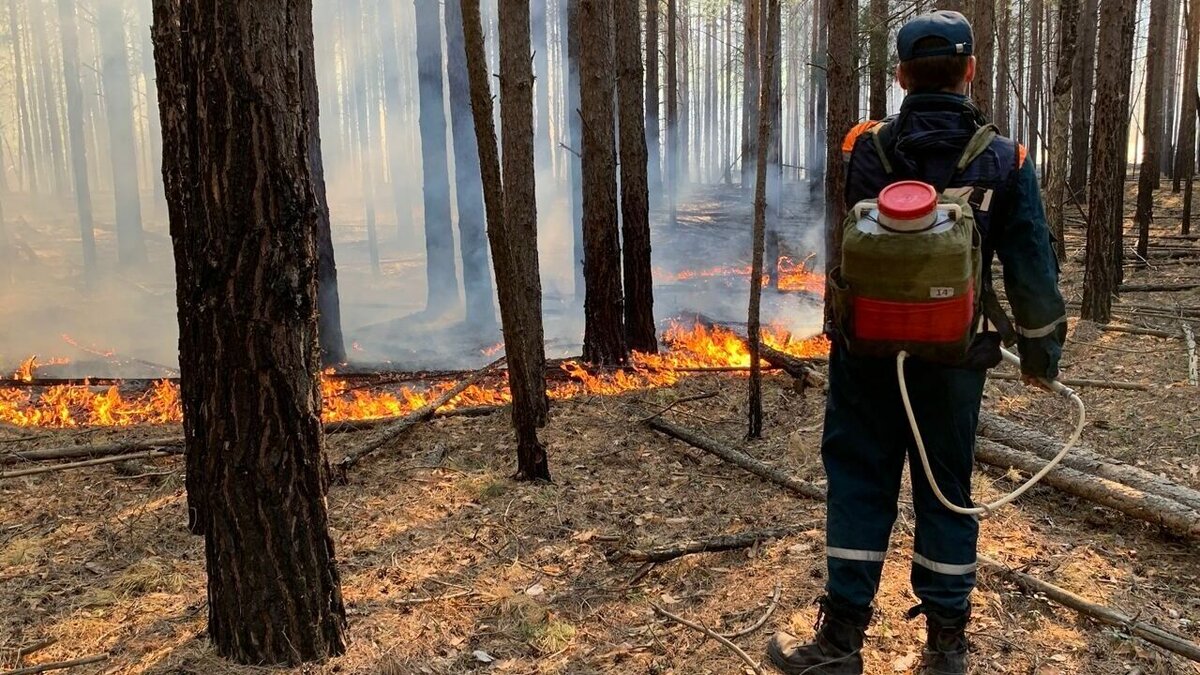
column 1189, row 337
column 1070, row 382
column 1157, row 288
column 792, row 365
column 729, row 542
column 398, row 427
column 59, row 665
column 349, row 426
column 762, row 620
column 1084, row 459
column 1152, row 634
column 1138, row 330
column 90, row 451
column 1170, row 515
column 738, row 458
column 750, row 663
column 51, row 468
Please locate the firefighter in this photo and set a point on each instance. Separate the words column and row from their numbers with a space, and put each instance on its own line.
column 867, row 435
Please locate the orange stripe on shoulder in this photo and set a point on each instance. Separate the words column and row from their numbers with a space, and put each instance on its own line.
column 1021, row 153
column 858, row 130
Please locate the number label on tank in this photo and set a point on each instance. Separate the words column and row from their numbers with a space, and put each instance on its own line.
column 941, row 292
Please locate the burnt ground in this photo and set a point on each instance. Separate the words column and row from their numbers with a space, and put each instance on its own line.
column 447, row 565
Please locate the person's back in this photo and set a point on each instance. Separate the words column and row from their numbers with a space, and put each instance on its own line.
column 867, row 436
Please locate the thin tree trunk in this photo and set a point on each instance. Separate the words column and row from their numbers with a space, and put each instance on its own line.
column 367, row 108
column 1034, row 102
column 118, row 102
column 983, row 20
column 653, row 144
column 439, row 236
column 1170, row 87
column 821, row 75
column 1185, row 145
column 1068, row 12
column 603, row 308
column 246, row 267
column 1153, row 123
column 396, row 99
column 751, row 81
column 1114, row 71
column 50, row 98
column 79, row 171
column 576, row 147
column 713, row 136
column 842, row 99
column 683, row 80
column 472, row 235
column 880, row 77
column 1003, row 93
column 1082, row 73
column 635, row 195
column 24, row 97
column 772, row 42
column 541, row 84
column 672, row 172
column 727, row 150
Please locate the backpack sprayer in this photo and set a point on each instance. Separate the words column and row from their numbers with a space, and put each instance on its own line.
column 909, row 284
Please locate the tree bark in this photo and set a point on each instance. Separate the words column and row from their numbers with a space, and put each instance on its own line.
column 604, row 329
column 576, row 126
column 472, row 235
column 653, row 143
column 1152, row 130
column 1034, row 102
column 842, row 100
column 230, row 74
column 79, row 168
column 1068, row 12
column 635, row 194
column 1105, row 203
column 439, row 237
column 751, row 81
column 118, row 104
column 1003, row 93
column 1185, row 145
column 880, row 77
column 1083, row 71
column 983, row 19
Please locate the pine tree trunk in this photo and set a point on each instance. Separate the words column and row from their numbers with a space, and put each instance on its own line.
column 1170, row 87
column 653, row 144
column 604, row 330
column 79, row 168
column 840, row 21
column 472, row 235
column 1003, row 93
column 50, row 100
column 541, row 84
column 29, row 168
column 773, row 40
column 880, row 77
column 727, row 95
column 439, row 237
column 512, row 218
column 672, row 159
column 1082, row 73
column 1068, row 12
column 118, row 103
column 1035, row 81
column 1185, row 144
column 396, row 98
column 365, row 74
column 751, row 81
column 1105, row 204
column 246, row 269
column 635, row 194
column 713, row 135
column 1153, row 123
column 683, row 79
column 821, row 113
column 983, row 20
column 576, row 126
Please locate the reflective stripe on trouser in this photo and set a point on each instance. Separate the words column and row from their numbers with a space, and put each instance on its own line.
column 866, row 442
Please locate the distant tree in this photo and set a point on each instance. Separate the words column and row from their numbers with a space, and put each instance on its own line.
column 576, row 129
column 840, row 21
column 1033, row 101
column 54, row 153
column 672, row 159
column 364, row 75
column 472, row 233
column 1185, row 143
column 1068, row 13
column 1105, row 203
column 653, row 143
column 881, row 79
column 396, row 99
column 541, row 84
column 230, row 76
column 29, row 169
column 635, row 196
column 751, row 81
column 440, row 272
column 1002, row 117
column 512, row 218
column 1170, row 86
column 118, row 108
column 78, row 143
column 1152, row 135
column 983, row 17
column 1083, row 71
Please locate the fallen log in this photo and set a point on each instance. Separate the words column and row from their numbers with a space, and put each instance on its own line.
column 1138, row 330
column 737, row 458
column 1084, row 459
column 728, row 542
column 59, row 665
column 398, row 427
column 1150, row 633
column 51, row 468
column 1156, row 288
column 1076, row 382
column 792, row 365
column 1151, row 508
column 90, row 451
column 1189, row 338
column 1156, row 636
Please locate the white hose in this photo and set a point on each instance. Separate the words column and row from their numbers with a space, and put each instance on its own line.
column 985, row 510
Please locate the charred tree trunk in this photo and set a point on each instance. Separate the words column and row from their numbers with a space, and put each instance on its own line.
column 983, row 19
column 635, row 194
column 1185, row 145
column 604, row 331
column 118, row 104
column 79, row 168
column 672, row 159
column 1082, row 73
column 576, row 125
column 653, row 143
column 1105, row 203
column 1153, row 124
column 1068, row 12
column 512, row 218
column 439, row 236
column 472, row 236
column 880, row 77
column 751, row 80
column 230, row 74
column 840, row 21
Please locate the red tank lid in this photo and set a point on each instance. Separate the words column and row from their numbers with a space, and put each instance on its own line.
column 907, row 200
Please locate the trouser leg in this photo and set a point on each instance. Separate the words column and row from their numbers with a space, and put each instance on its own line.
column 863, row 454
column 946, row 404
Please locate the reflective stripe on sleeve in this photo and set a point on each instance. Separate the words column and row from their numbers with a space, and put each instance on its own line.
column 943, row 568
column 1043, row 331
column 855, row 554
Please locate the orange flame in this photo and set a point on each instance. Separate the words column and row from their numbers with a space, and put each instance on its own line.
column 793, row 276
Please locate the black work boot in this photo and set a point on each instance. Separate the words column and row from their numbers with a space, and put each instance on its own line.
column 946, row 643
column 836, row 650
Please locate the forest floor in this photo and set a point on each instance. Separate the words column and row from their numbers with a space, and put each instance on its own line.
column 450, row 567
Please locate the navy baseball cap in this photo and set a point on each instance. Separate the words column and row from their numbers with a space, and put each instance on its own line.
column 953, row 29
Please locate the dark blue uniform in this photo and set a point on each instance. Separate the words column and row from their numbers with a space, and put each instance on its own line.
column 867, row 435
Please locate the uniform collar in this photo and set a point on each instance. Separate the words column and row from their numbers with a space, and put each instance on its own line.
column 935, row 101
